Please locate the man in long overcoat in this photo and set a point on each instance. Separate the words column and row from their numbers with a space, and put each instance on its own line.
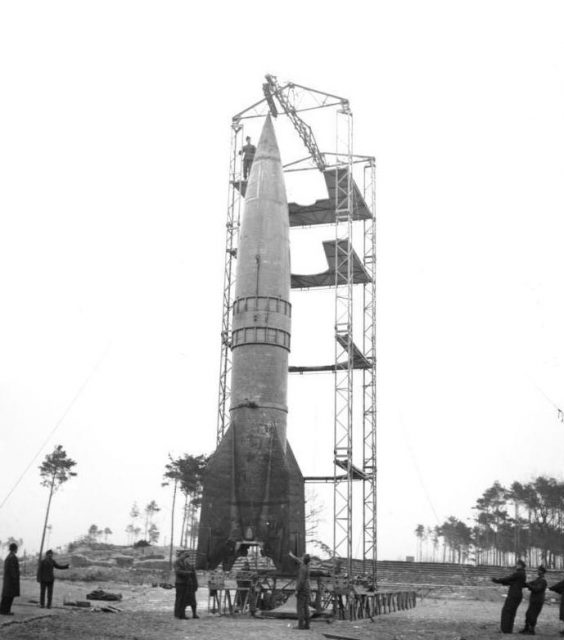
column 46, row 577
column 11, row 582
column 186, row 584
column 559, row 588
column 515, row 582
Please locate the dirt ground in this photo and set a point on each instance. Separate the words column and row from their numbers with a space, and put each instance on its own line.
column 147, row 615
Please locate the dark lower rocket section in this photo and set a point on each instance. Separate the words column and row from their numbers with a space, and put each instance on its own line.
column 253, row 496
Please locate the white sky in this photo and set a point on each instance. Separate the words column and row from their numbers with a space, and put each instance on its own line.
column 114, row 149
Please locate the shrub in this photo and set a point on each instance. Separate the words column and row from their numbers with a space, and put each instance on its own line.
column 123, row 560
column 78, row 560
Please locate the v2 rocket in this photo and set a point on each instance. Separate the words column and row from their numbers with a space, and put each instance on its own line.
column 253, row 489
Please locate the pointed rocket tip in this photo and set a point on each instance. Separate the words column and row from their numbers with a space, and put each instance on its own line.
column 267, row 144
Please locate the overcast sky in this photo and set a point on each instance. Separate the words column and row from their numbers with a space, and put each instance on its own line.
column 114, row 154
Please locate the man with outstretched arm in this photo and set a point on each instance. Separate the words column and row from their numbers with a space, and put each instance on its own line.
column 516, row 581
column 303, row 590
column 537, row 587
column 46, row 577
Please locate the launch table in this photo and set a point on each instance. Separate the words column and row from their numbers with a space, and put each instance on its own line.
column 246, row 594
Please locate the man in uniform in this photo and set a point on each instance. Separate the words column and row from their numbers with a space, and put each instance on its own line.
column 248, row 151
column 537, row 587
column 559, row 588
column 303, row 590
column 46, row 577
column 11, row 582
column 516, row 581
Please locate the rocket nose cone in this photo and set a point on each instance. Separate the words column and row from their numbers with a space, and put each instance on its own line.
column 267, row 145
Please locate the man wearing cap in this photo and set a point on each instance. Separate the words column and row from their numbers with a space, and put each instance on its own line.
column 186, row 585
column 248, row 152
column 46, row 577
column 303, row 590
column 537, row 587
column 516, row 581
column 11, row 581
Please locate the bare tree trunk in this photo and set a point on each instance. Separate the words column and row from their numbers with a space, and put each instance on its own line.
column 193, row 529
column 187, row 520
column 51, row 489
column 183, row 528
column 172, row 524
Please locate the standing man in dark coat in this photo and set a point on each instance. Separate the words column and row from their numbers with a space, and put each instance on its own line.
column 559, row 588
column 11, row 582
column 186, row 584
column 303, row 590
column 248, row 152
column 46, row 577
column 537, row 587
column 516, row 581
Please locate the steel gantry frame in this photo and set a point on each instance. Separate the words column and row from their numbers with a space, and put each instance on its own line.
column 232, row 227
column 344, row 378
column 369, row 404
column 293, row 99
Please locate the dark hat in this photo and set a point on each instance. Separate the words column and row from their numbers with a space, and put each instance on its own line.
column 49, row 552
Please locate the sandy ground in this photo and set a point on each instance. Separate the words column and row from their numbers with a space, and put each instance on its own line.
column 147, row 615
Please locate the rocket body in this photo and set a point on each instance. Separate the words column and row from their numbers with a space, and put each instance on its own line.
column 253, row 492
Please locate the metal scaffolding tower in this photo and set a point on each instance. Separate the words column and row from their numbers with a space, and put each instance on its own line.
column 354, row 367
column 344, row 378
column 369, row 462
column 232, row 227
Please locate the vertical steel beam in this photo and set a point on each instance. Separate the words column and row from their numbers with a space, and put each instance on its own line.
column 232, row 227
column 369, row 496
column 343, row 393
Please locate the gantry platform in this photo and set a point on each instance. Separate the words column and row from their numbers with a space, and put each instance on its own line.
column 328, row 278
column 321, row 211
column 359, row 361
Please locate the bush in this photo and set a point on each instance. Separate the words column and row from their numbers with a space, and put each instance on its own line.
column 78, row 560
column 123, row 560
column 141, row 543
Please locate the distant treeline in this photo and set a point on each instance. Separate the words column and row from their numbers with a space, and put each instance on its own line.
column 522, row 521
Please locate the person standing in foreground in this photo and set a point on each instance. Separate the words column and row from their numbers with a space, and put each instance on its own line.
column 11, row 582
column 186, row 584
column 516, row 581
column 303, row 590
column 192, row 586
column 537, row 587
column 46, row 577
column 559, row 588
